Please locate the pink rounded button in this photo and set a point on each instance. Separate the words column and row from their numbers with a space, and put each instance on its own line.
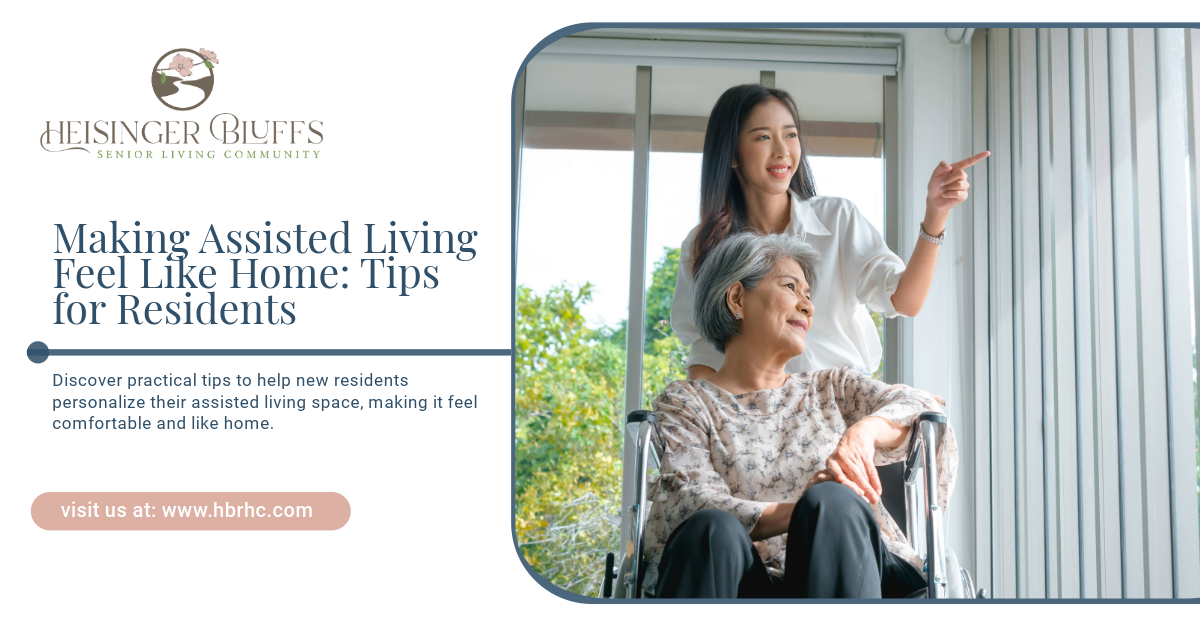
column 190, row 511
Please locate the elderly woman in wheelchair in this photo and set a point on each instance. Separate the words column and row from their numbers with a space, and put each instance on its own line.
column 759, row 465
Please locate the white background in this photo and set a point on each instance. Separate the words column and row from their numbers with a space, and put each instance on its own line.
column 416, row 105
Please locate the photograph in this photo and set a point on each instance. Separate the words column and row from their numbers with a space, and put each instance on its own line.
column 792, row 301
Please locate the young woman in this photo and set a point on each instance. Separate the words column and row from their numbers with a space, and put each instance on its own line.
column 755, row 176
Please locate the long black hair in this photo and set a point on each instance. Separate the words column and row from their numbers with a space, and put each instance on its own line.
column 722, row 203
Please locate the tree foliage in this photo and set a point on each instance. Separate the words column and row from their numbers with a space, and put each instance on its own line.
column 878, row 319
column 660, row 295
column 570, row 381
column 569, row 414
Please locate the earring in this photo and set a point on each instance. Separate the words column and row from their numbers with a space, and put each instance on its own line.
column 737, row 315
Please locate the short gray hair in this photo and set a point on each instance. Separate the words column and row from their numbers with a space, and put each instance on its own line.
column 747, row 258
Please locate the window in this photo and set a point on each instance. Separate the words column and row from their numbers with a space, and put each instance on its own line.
column 573, row 299
column 582, row 223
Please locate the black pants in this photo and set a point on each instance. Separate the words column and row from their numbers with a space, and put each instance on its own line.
column 834, row 550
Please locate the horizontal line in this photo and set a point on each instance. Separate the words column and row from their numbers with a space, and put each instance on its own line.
column 280, row 352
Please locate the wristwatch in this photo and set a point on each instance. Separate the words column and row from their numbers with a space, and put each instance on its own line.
column 931, row 239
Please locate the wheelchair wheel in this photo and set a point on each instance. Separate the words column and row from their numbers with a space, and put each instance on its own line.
column 954, row 582
column 959, row 583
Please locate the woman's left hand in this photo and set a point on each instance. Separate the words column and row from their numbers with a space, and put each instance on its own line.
column 817, row 478
column 948, row 185
column 853, row 462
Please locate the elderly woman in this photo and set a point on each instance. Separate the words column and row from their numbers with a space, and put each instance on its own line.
column 761, row 464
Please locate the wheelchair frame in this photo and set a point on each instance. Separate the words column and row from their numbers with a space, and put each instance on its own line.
column 925, row 527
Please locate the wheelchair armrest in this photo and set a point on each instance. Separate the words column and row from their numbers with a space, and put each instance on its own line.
column 640, row 416
column 916, row 451
column 936, row 417
column 633, row 425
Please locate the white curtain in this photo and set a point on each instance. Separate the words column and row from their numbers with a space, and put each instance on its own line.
column 1091, row 270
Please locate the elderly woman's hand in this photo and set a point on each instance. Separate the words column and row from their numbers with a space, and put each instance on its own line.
column 817, row 478
column 853, row 462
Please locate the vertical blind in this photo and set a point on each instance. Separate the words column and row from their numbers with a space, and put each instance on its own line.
column 1091, row 271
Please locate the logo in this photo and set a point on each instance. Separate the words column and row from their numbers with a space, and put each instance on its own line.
column 183, row 78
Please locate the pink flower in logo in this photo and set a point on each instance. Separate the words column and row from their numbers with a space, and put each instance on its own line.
column 210, row 55
column 182, row 64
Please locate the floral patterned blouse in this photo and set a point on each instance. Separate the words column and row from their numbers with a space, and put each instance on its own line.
column 740, row 453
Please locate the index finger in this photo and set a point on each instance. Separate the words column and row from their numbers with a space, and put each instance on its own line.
column 972, row 160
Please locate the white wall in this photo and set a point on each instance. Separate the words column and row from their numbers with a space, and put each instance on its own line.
column 935, row 125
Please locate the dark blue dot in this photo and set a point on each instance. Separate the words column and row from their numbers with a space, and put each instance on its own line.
column 345, row 285
column 344, row 269
column 37, row 352
column 268, row 223
column 137, row 223
column 393, row 223
column 425, row 223
column 187, row 294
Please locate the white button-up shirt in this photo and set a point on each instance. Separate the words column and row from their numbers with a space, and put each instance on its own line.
column 857, row 270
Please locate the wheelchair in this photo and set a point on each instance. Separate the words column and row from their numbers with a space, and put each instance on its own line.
column 909, row 494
